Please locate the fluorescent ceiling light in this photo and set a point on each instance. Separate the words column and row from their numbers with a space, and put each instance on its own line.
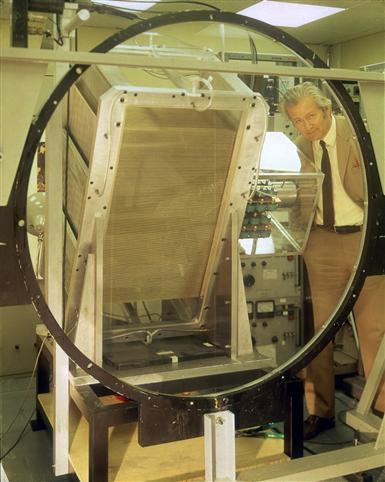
column 284, row 14
column 126, row 5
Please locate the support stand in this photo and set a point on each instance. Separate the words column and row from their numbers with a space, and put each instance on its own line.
column 219, row 446
column 293, row 424
column 361, row 418
column 344, row 461
column 219, row 433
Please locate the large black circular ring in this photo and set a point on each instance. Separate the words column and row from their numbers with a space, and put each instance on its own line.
column 271, row 380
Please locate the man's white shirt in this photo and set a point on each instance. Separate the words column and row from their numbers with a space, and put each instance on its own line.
column 346, row 211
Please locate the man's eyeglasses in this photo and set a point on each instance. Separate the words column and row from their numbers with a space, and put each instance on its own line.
column 310, row 119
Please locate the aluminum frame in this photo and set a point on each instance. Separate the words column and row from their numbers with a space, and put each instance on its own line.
column 86, row 59
column 245, row 158
column 318, row 178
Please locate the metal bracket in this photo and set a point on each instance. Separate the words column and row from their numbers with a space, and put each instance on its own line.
column 89, row 333
column 373, row 381
column 219, row 446
column 240, row 325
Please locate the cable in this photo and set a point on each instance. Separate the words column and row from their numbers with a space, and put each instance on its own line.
column 263, row 431
column 59, row 40
column 2, row 457
column 28, row 387
column 346, row 442
column 274, row 435
column 40, row 240
column 188, row 2
column 126, row 335
column 146, row 310
column 107, row 9
column 20, row 436
column 73, row 327
column 253, row 50
column 128, row 13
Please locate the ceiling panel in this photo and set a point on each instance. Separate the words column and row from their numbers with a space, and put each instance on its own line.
column 362, row 17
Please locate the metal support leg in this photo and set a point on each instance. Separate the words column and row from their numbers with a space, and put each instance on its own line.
column 293, row 424
column 373, row 381
column 98, row 450
column 361, row 418
column 380, row 441
column 219, row 431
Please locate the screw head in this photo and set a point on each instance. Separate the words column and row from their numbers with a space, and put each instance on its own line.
column 219, row 421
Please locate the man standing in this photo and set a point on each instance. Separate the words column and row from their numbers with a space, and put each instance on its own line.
column 326, row 144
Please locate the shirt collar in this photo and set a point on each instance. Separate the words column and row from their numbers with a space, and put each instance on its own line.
column 330, row 138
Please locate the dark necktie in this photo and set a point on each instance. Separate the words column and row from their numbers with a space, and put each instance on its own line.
column 327, row 188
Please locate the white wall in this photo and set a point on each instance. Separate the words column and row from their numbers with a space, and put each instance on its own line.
column 359, row 52
column 353, row 55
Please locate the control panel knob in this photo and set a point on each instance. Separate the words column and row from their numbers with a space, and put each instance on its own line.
column 274, row 339
column 248, row 280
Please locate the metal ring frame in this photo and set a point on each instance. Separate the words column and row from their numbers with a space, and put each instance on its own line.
column 239, row 395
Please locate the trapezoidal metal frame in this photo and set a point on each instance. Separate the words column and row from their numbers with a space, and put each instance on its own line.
column 104, row 166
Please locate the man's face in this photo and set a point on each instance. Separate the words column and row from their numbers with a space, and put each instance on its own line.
column 311, row 121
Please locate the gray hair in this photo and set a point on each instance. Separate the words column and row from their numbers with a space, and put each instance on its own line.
column 307, row 89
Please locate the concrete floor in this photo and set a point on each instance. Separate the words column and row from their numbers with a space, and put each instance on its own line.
column 31, row 459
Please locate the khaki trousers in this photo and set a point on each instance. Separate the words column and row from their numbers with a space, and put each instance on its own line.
column 329, row 258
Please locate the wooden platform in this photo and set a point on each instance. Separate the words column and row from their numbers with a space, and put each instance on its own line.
column 175, row 461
